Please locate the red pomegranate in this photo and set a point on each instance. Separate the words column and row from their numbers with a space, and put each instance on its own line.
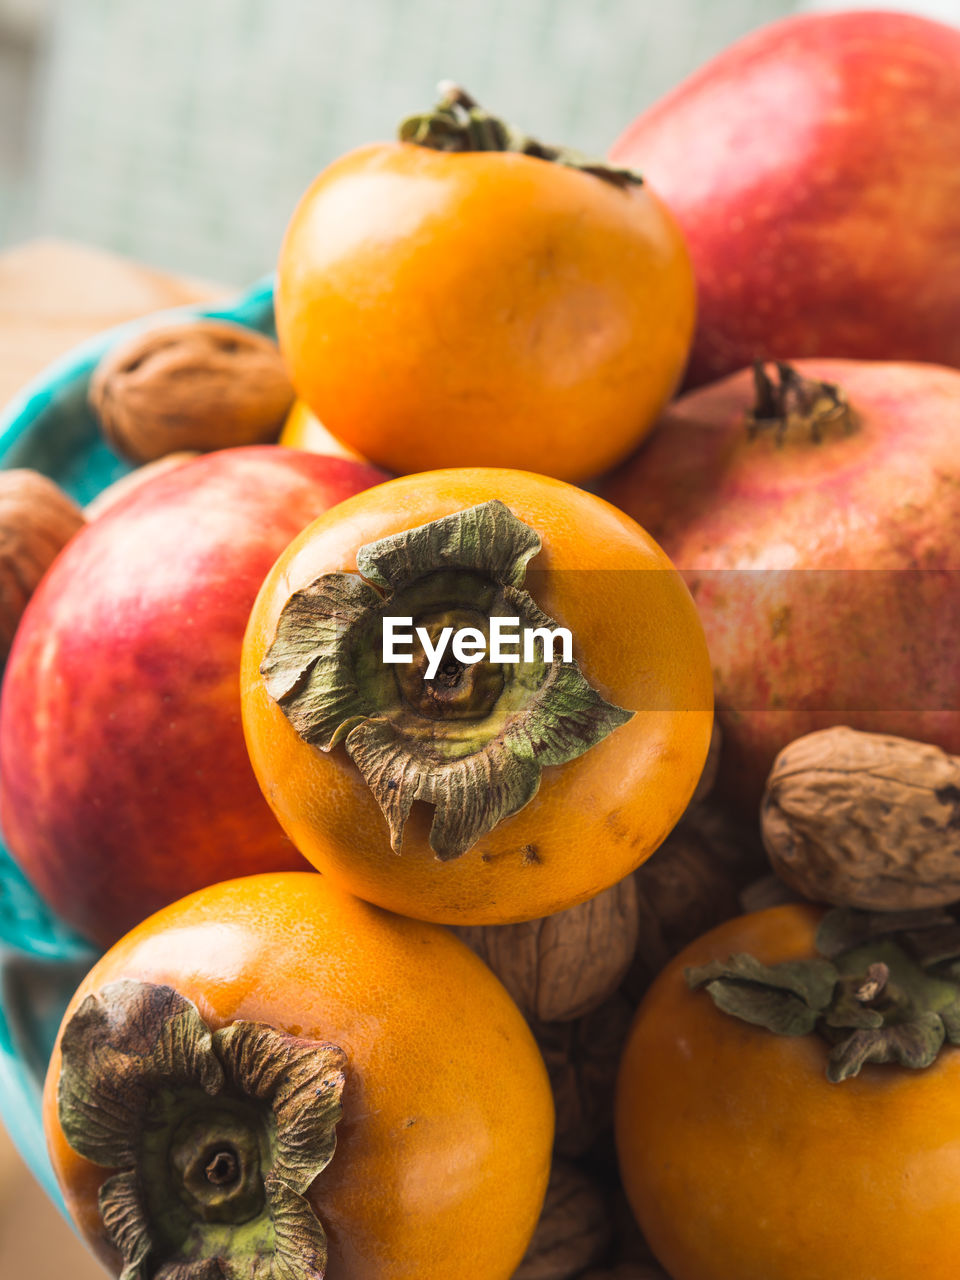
column 815, row 169
column 124, row 779
column 816, row 519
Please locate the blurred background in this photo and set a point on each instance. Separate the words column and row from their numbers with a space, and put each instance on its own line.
column 182, row 132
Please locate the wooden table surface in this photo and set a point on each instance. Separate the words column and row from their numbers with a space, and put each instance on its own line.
column 52, row 296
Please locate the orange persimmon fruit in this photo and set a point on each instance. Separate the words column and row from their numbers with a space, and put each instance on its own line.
column 276, row 1075
column 304, row 430
column 491, row 789
column 469, row 297
column 828, row 1151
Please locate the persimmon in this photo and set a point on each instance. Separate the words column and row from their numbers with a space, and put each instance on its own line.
column 493, row 788
column 270, row 1077
column 303, row 430
column 467, row 296
column 789, row 1100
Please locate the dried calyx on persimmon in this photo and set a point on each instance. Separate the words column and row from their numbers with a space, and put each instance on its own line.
column 213, row 1138
column 442, row 777
column 470, row 738
column 884, row 988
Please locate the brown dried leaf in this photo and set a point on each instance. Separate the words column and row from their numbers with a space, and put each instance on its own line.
column 574, row 1228
column 199, row 384
column 865, row 820
column 565, row 965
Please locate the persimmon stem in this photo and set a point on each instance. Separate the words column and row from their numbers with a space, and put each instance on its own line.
column 471, row 739
column 459, row 123
column 874, row 984
column 885, row 988
column 214, row 1137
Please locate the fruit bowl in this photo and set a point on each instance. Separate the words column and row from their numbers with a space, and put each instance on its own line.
column 49, row 428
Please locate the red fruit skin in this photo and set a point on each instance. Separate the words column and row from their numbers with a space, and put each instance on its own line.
column 815, row 170
column 124, row 778
column 835, row 632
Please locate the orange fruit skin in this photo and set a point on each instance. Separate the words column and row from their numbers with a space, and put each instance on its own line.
column 740, row 1159
column 443, row 309
column 637, row 639
column 443, row 1151
column 303, row 430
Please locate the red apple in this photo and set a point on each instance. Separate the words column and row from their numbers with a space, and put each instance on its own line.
column 822, row 548
column 124, row 779
column 815, row 169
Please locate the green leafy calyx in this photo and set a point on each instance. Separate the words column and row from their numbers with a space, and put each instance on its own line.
column 214, row 1137
column 458, row 123
column 471, row 739
column 884, row 989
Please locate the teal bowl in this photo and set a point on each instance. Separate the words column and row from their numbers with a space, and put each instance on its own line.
column 48, row 427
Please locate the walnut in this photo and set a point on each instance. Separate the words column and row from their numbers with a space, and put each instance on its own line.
column 711, row 766
column 37, row 519
column 685, row 889
column 766, row 891
column 865, row 820
column 628, row 1271
column 582, row 1058
column 200, row 384
column 574, row 1228
column 630, row 1245
column 733, row 844
column 121, row 488
column 563, row 966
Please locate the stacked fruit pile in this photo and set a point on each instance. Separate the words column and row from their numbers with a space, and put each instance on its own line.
column 696, row 1006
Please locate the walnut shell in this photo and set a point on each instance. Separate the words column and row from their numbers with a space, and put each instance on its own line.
column 628, row 1271
column 582, row 1059
column 766, row 891
column 733, row 844
column 123, row 487
column 630, row 1244
column 200, row 384
column 711, row 766
column 865, row 820
column 37, row 519
column 561, row 967
column 685, row 889
column 574, row 1228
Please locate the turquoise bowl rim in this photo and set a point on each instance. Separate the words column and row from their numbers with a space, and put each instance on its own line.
column 30, row 402
column 20, row 1089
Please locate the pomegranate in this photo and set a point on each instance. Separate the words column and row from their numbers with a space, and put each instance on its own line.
column 124, row 780
column 816, row 518
column 813, row 167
